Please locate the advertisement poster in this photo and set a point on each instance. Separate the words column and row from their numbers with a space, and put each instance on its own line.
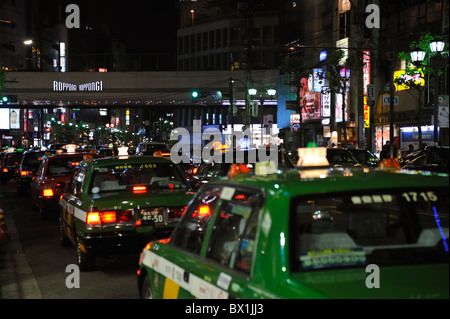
column 14, row 118
column 310, row 100
column 4, row 119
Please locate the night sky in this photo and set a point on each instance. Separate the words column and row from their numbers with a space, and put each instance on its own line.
column 145, row 26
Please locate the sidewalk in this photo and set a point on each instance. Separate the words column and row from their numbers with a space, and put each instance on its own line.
column 16, row 277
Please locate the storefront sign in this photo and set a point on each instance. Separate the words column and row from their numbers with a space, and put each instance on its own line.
column 366, row 70
column 366, row 113
column 416, row 77
column 96, row 86
column 387, row 100
column 319, row 79
column 326, row 102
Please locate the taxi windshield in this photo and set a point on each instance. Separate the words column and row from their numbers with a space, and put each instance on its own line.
column 151, row 175
column 351, row 229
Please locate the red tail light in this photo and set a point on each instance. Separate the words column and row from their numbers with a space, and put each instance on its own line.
column 179, row 211
column 26, row 173
column 109, row 217
column 93, row 218
column 5, row 170
column 48, row 192
column 139, row 189
column 202, row 211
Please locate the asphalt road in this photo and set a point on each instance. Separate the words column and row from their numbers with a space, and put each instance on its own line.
column 33, row 264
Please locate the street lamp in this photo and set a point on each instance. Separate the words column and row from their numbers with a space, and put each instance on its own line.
column 437, row 46
column 417, row 56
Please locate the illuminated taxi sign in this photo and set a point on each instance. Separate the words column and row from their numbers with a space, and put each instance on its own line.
column 265, row 168
column 70, row 148
column 88, row 158
column 312, row 157
column 122, row 151
column 389, row 164
column 237, row 169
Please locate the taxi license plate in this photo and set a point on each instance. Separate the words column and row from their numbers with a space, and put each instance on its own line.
column 158, row 216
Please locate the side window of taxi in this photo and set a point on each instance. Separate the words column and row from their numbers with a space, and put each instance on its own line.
column 190, row 233
column 76, row 184
column 233, row 238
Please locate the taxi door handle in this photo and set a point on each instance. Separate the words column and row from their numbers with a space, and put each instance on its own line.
column 186, row 276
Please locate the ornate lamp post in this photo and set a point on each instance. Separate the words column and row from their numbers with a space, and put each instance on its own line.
column 417, row 57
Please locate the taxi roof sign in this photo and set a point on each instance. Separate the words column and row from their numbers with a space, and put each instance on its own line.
column 70, row 148
column 390, row 163
column 265, row 168
column 122, row 151
column 312, row 157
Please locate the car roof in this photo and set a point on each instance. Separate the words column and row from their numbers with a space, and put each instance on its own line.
column 114, row 160
column 336, row 180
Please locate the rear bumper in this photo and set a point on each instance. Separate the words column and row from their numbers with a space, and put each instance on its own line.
column 48, row 203
column 117, row 242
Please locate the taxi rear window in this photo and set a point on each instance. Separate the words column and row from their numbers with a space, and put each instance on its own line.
column 63, row 166
column 124, row 176
column 351, row 229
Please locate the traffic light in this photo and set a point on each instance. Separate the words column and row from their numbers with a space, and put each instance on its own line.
column 8, row 99
column 194, row 95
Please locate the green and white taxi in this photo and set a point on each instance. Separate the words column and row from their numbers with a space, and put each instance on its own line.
column 119, row 204
column 307, row 233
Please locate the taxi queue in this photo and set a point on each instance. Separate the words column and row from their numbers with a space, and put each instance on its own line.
column 263, row 232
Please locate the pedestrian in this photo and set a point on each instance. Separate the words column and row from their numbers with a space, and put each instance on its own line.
column 410, row 149
column 351, row 146
column 385, row 150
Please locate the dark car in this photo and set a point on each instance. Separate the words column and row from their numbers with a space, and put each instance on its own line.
column 431, row 158
column 341, row 157
column 9, row 165
column 365, row 157
column 149, row 148
column 212, row 171
column 189, row 169
column 29, row 164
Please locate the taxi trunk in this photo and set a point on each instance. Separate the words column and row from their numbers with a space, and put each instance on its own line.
column 124, row 219
column 428, row 281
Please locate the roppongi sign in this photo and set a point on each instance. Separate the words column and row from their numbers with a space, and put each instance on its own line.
column 95, row 86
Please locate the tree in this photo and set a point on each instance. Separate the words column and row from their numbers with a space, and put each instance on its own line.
column 294, row 66
column 337, row 81
column 415, row 70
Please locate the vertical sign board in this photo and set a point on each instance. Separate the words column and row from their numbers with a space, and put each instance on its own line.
column 366, row 113
column 366, row 70
column 326, row 102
